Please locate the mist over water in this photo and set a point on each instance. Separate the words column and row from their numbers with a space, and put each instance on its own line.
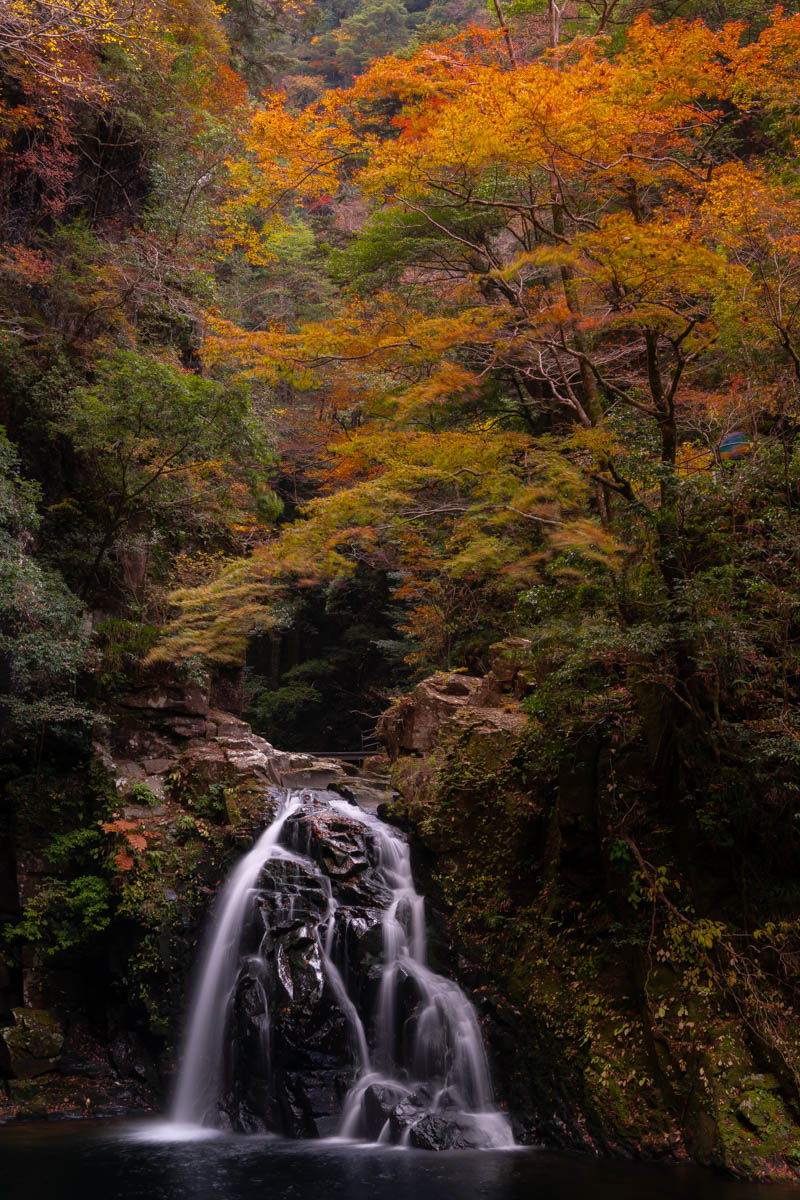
column 130, row 1161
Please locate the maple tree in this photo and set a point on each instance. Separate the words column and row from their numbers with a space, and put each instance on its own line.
column 553, row 241
column 377, row 373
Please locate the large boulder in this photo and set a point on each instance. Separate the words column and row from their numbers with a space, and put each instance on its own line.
column 442, row 703
column 32, row 1045
column 189, row 699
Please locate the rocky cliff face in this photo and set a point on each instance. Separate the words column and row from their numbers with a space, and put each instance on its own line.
column 336, row 1022
column 608, row 1033
column 175, row 790
column 612, row 1028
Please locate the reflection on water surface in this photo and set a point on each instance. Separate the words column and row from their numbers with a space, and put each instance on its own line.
column 133, row 1161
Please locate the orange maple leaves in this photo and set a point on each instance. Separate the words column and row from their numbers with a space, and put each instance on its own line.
column 594, row 244
column 646, row 116
column 133, row 837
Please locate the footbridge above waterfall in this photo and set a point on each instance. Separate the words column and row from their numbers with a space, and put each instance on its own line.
column 340, row 755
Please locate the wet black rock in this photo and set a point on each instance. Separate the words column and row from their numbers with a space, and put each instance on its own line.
column 332, row 983
column 437, row 1131
column 380, row 1101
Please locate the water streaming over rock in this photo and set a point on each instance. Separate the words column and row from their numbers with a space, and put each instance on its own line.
column 315, row 1013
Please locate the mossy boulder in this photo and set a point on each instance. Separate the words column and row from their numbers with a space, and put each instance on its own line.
column 507, row 659
column 32, row 1045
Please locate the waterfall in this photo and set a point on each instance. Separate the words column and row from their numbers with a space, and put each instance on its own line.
column 315, row 1012
column 199, row 1079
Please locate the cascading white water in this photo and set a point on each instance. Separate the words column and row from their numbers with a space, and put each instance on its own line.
column 444, row 1043
column 414, row 1050
column 200, row 1075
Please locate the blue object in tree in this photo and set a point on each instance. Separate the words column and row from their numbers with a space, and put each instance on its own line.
column 734, row 445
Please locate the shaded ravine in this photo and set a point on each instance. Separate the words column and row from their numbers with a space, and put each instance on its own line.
column 315, row 1013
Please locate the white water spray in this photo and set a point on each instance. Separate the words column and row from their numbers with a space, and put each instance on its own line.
column 200, row 1075
column 423, row 1057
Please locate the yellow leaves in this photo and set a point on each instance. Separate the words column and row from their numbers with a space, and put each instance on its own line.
column 578, row 233
column 754, row 220
column 768, row 70
column 744, row 206
column 651, row 259
column 693, row 458
column 599, row 443
column 365, row 340
column 465, row 112
column 591, row 541
column 609, row 120
column 680, row 63
column 57, row 42
column 635, row 119
column 291, row 157
column 461, row 505
column 448, row 383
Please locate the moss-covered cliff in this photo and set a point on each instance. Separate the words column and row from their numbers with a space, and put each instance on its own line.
column 632, row 985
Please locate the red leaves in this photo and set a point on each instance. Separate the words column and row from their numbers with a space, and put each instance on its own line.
column 134, row 838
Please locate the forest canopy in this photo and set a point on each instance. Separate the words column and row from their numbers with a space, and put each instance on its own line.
column 473, row 318
column 346, row 343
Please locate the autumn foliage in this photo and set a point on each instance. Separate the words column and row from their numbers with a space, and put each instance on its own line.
column 552, row 245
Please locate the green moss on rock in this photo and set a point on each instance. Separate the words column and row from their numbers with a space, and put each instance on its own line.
column 618, row 1032
column 32, row 1045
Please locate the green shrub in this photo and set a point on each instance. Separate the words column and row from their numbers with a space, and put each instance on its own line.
column 140, row 793
column 64, row 916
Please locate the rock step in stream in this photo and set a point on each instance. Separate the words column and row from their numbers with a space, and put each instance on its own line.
column 314, row 1012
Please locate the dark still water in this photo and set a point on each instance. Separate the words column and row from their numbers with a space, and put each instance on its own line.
column 105, row 1161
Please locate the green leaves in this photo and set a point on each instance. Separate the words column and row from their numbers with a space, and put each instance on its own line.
column 65, row 916
column 43, row 640
column 162, row 441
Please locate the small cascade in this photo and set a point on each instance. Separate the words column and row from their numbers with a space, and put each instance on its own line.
column 201, row 1070
column 315, row 1013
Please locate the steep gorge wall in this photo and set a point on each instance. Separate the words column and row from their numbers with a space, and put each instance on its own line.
column 118, row 860
column 605, row 1035
column 614, row 1028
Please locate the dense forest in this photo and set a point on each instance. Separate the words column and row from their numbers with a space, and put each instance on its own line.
column 354, row 345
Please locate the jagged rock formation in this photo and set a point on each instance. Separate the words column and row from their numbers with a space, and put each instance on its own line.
column 445, row 704
column 322, row 1015
column 172, row 734
column 189, row 784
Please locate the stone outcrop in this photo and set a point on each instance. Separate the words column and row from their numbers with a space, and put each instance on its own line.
column 444, row 704
column 196, row 784
column 599, row 1043
column 32, row 1045
column 190, row 699
column 168, row 737
column 512, row 668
